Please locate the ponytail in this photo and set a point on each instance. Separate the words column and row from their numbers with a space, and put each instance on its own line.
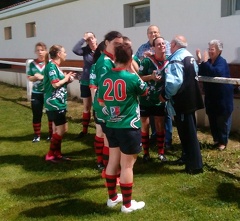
column 46, row 58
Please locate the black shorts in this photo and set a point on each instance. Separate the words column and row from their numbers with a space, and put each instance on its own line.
column 103, row 125
column 85, row 91
column 58, row 117
column 146, row 111
column 128, row 139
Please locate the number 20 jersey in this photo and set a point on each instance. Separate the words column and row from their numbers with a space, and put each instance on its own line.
column 119, row 91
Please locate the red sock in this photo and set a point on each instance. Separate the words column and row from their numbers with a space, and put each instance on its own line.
column 37, row 128
column 85, row 121
column 126, row 189
column 145, row 142
column 55, row 143
column 98, row 146
column 160, row 142
column 111, row 186
column 50, row 130
column 105, row 155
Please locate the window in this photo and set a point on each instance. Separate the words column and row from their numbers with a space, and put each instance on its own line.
column 237, row 12
column 141, row 14
column 136, row 14
column 8, row 33
column 31, row 29
column 230, row 7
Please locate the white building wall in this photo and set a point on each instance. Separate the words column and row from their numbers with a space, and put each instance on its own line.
column 199, row 21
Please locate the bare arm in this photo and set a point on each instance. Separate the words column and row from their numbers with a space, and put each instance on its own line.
column 69, row 77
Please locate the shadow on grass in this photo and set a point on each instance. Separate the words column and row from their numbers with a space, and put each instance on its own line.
column 16, row 101
column 70, row 207
column 58, row 188
column 61, row 190
column 38, row 164
column 229, row 193
column 226, row 174
column 27, row 137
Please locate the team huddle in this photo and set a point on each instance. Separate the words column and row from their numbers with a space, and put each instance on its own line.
column 129, row 94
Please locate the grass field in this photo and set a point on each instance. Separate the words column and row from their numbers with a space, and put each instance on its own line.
column 32, row 189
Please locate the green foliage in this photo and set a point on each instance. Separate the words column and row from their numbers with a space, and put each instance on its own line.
column 32, row 189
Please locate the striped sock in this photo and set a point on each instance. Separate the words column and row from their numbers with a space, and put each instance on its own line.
column 55, row 143
column 98, row 146
column 105, row 155
column 85, row 121
column 126, row 189
column 160, row 142
column 145, row 142
column 50, row 129
column 37, row 129
column 111, row 186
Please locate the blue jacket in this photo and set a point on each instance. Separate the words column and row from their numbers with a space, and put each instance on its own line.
column 218, row 96
column 181, row 84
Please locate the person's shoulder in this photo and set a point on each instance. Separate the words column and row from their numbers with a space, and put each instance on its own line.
column 147, row 44
column 181, row 54
column 222, row 59
column 50, row 65
column 99, row 60
column 146, row 60
column 32, row 63
column 86, row 48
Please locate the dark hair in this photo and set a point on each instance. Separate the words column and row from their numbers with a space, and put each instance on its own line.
column 155, row 40
column 98, row 52
column 53, row 51
column 125, row 38
column 41, row 44
column 112, row 35
column 123, row 54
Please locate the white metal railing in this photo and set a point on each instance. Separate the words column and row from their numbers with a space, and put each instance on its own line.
column 29, row 60
column 13, row 63
column 234, row 81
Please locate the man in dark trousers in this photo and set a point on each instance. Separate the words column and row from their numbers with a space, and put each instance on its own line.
column 183, row 98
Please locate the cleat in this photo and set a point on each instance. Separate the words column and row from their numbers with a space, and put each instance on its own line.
column 50, row 157
column 63, row 158
column 36, row 139
column 112, row 203
column 162, row 157
column 58, row 156
column 100, row 166
column 146, row 158
column 134, row 206
column 48, row 138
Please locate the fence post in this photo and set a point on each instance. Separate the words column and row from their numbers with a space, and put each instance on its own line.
column 29, row 83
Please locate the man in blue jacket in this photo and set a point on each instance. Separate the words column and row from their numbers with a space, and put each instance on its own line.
column 183, row 98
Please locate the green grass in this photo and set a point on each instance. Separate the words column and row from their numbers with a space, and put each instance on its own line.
column 32, row 189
